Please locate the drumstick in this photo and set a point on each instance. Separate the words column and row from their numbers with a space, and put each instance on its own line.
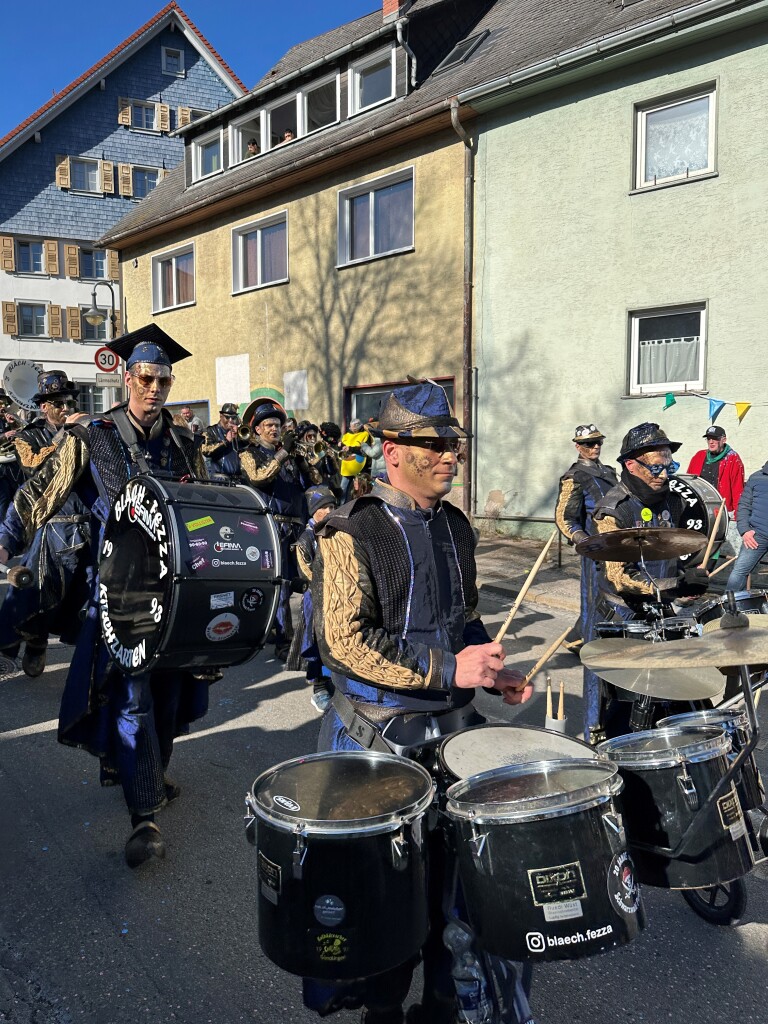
column 524, row 588
column 561, row 705
column 711, row 541
column 546, row 656
column 549, row 695
column 721, row 567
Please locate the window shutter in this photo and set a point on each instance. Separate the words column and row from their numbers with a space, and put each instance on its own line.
column 54, row 321
column 113, row 264
column 62, row 171
column 51, row 249
column 184, row 116
column 72, row 260
column 118, row 323
column 74, row 324
column 163, row 117
column 7, row 254
column 124, row 175
column 10, row 318
column 124, row 111
column 162, row 172
column 108, row 177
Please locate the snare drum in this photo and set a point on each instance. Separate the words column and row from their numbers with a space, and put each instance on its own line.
column 750, row 602
column 631, row 630
column 543, row 860
column 669, row 775
column 342, row 890
column 735, row 722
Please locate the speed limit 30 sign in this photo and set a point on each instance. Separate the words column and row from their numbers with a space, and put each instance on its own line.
column 106, row 360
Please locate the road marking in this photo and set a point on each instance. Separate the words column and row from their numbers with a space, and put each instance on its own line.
column 30, row 730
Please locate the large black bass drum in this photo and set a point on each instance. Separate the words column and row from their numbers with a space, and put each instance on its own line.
column 188, row 575
column 701, row 502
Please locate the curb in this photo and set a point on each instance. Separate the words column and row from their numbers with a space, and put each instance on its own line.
column 566, row 604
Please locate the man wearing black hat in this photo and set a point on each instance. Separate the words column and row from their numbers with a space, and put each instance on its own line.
column 129, row 722
column 221, row 446
column 722, row 467
column 10, row 475
column 395, row 599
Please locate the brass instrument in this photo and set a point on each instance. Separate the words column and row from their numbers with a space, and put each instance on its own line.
column 7, row 450
column 245, row 434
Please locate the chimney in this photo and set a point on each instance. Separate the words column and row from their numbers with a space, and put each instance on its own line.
column 393, row 9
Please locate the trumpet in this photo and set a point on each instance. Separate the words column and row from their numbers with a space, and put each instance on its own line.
column 311, row 453
column 245, row 434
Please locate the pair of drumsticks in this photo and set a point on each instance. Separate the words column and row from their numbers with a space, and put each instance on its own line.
column 561, row 704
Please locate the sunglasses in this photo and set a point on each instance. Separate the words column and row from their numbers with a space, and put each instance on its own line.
column 670, row 468
column 591, row 444
column 455, row 445
column 62, row 403
column 146, row 380
column 226, row 416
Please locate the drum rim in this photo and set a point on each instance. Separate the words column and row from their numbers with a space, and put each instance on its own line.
column 444, row 744
column 737, row 718
column 537, row 807
column 710, row 746
column 373, row 825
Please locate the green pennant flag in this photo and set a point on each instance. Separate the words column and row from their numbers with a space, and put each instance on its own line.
column 670, row 400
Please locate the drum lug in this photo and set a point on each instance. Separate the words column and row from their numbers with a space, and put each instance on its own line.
column 614, row 825
column 299, row 855
column 688, row 787
column 250, row 821
column 477, row 848
column 399, row 849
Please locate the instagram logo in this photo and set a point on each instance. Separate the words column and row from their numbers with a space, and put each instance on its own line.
column 535, row 942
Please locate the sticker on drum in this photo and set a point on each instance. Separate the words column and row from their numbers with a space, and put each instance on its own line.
column 197, row 563
column 252, row 554
column 222, row 627
column 271, row 878
column 252, row 599
column 329, row 911
column 198, row 543
column 730, row 815
column 226, row 533
column 287, row 803
column 622, row 884
column 267, row 560
column 248, row 526
column 332, row 948
column 558, row 884
column 226, row 600
column 198, row 524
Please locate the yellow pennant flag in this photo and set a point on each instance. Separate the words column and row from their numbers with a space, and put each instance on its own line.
column 742, row 408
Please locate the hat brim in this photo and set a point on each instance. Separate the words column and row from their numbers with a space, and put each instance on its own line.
column 250, row 411
column 404, row 435
column 38, row 399
column 672, row 445
column 589, row 437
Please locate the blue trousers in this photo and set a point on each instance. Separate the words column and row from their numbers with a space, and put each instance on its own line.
column 746, row 561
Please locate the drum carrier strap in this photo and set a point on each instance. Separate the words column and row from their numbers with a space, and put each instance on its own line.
column 129, row 437
column 358, row 728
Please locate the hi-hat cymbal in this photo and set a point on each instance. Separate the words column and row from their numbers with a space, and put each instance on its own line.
column 746, row 645
column 667, row 683
column 652, row 542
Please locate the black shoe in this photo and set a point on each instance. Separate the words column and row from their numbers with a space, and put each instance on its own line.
column 172, row 790
column 145, row 843
column 33, row 662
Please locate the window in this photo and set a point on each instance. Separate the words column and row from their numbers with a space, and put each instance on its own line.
column 260, row 253
column 195, row 114
column 144, row 180
column 173, row 279
column 364, row 403
column 320, row 105
column 376, row 218
column 281, row 123
column 676, row 140
column 207, row 154
column 372, row 81
column 667, row 349
column 31, row 320
column 462, row 51
column 93, row 263
column 143, row 115
column 85, row 175
column 91, row 333
column 245, row 138
column 93, row 399
column 29, row 257
column 173, row 62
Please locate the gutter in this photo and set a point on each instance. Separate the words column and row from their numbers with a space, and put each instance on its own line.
column 403, row 42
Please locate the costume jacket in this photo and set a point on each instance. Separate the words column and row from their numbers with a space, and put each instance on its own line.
column 727, row 474
column 223, row 456
column 281, row 478
column 581, row 488
column 753, row 507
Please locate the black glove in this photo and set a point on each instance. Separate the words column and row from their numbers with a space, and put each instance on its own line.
column 696, row 576
column 298, row 585
column 578, row 536
column 289, row 441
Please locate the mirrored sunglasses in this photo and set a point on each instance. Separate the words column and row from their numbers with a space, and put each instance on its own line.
column 660, row 467
column 456, row 445
column 146, row 380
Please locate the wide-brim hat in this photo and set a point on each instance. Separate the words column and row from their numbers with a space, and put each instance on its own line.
column 52, row 384
column 644, row 437
column 587, row 432
column 263, row 409
column 418, row 410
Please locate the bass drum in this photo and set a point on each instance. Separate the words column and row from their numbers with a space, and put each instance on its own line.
column 188, row 576
column 701, row 502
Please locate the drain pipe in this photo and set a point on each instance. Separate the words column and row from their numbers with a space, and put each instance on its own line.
column 403, row 42
column 467, row 383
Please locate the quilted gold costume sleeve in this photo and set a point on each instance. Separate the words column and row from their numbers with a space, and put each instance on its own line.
column 30, row 457
column 569, row 508
column 347, row 621
column 624, row 576
column 43, row 494
column 257, row 470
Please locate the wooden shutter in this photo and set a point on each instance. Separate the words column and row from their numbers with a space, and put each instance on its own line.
column 7, row 254
column 74, row 324
column 108, row 177
column 162, row 117
column 113, row 265
column 162, row 172
column 51, row 250
column 125, row 177
column 10, row 318
column 118, row 323
column 72, row 260
column 183, row 116
column 62, row 172
column 54, row 321
column 124, row 111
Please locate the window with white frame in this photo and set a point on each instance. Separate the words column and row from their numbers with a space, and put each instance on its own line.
column 676, row 139
column 173, row 61
column 195, row 114
column 143, row 115
column 91, row 332
column 29, row 258
column 85, row 175
column 173, row 279
column 376, row 218
column 245, row 138
column 144, row 180
column 281, row 123
column 93, row 399
column 667, row 349
column 208, row 154
column 260, row 253
column 320, row 105
column 31, row 320
column 93, row 264
column 372, row 80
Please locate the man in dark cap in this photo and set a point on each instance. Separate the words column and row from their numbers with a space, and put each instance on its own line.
column 221, row 446
column 581, row 488
column 722, row 467
column 395, row 600
column 10, row 475
column 129, row 722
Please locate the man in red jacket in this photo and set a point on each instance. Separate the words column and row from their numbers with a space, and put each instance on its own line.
column 720, row 466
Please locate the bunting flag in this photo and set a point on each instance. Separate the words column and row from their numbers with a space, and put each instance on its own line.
column 715, row 408
column 670, row 400
column 742, row 408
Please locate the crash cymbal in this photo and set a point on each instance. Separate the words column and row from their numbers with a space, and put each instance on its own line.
column 745, row 645
column 651, row 542
column 667, row 683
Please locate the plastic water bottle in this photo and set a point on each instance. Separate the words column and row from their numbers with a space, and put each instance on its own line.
column 475, row 1006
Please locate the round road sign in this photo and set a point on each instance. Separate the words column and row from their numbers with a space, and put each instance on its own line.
column 106, row 360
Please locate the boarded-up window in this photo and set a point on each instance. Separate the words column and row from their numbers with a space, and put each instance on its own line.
column 163, row 117
column 7, row 254
column 72, row 260
column 51, row 257
column 124, row 111
column 113, row 264
column 126, row 179
column 74, row 327
column 10, row 318
column 184, row 116
column 54, row 321
column 108, row 177
column 62, row 172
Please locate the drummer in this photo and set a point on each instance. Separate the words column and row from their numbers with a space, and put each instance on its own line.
column 129, row 722
column 393, row 586
column 642, row 498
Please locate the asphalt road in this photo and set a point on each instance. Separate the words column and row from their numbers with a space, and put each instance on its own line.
column 82, row 938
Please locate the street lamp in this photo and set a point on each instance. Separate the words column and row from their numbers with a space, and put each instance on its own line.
column 95, row 317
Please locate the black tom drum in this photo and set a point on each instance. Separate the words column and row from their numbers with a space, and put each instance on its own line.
column 750, row 602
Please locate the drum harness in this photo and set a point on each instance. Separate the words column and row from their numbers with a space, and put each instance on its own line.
column 130, row 439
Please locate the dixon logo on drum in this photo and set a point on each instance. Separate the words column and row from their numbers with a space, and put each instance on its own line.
column 287, row 803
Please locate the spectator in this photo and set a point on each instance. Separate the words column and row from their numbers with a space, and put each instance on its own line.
column 194, row 423
column 720, row 466
column 752, row 521
column 252, row 149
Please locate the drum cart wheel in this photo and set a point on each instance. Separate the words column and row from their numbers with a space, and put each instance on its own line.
column 722, row 904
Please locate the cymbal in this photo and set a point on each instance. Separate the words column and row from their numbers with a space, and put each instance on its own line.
column 746, row 645
column 652, row 542
column 667, row 683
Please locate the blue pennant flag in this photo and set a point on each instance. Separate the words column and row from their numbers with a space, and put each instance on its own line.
column 715, row 408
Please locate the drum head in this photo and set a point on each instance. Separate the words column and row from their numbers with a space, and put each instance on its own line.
column 485, row 747
column 341, row 791
column 656, row 748
column 726, row 718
